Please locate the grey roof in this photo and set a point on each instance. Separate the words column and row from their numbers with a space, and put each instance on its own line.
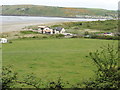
column 58, row 28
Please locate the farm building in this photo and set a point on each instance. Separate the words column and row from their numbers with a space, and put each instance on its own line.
column 3, row 40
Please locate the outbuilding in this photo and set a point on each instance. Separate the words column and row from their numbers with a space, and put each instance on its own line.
column 3, row 40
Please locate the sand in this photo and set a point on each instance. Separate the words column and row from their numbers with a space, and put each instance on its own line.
column 17, row 23
column 18, row 26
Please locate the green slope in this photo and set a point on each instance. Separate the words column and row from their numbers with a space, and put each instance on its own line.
column 35, row 10
column 51, row 58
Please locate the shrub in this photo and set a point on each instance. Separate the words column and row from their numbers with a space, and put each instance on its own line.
column 58, row 84
column 77, row 36
column 9, row 77
column 10, row 80
column 105, row 37
column 44, row 37
column 56, row 36
column 10, row 41
column 28, row 32
column 108, row 71
column 86, row 33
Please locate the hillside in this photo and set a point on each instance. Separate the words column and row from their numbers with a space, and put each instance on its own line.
column 37, row 10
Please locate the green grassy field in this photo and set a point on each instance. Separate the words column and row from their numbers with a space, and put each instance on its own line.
column 51, row 58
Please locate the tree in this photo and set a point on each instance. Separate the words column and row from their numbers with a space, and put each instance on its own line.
column 9, row 77
column 108, row 71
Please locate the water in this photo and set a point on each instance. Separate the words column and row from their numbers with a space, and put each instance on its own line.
column 16, row 23
column 12, row 19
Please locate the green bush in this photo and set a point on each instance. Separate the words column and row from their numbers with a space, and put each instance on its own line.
column 108, row 71
column 77, row 36
column 9, row 77
column 56, row 36
column 105, row 37
column 86, row 33
column 28, row 32
column 44, row 37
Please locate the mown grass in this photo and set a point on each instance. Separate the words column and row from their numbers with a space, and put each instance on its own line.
column 51, row 58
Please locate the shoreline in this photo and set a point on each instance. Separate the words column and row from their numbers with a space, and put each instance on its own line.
column 55, row 16
column 59, row 17
column 11, row 27
column 18, row 23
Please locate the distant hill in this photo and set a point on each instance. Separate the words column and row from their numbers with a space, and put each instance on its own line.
column 38, row 10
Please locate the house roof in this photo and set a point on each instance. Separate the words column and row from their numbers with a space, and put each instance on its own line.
column 3, row 39
column 47, row 30
column 58, row 28
column 42, row 26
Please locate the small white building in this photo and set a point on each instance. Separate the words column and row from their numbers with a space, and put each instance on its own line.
column 47, row 30
column 3, row 40
column 58, row 30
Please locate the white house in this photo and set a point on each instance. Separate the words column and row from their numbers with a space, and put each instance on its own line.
column 3, row 40
column 47, row 30
column 58, row 30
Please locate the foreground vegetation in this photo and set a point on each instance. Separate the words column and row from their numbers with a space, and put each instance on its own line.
column 107, row 74
column 51, row 58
